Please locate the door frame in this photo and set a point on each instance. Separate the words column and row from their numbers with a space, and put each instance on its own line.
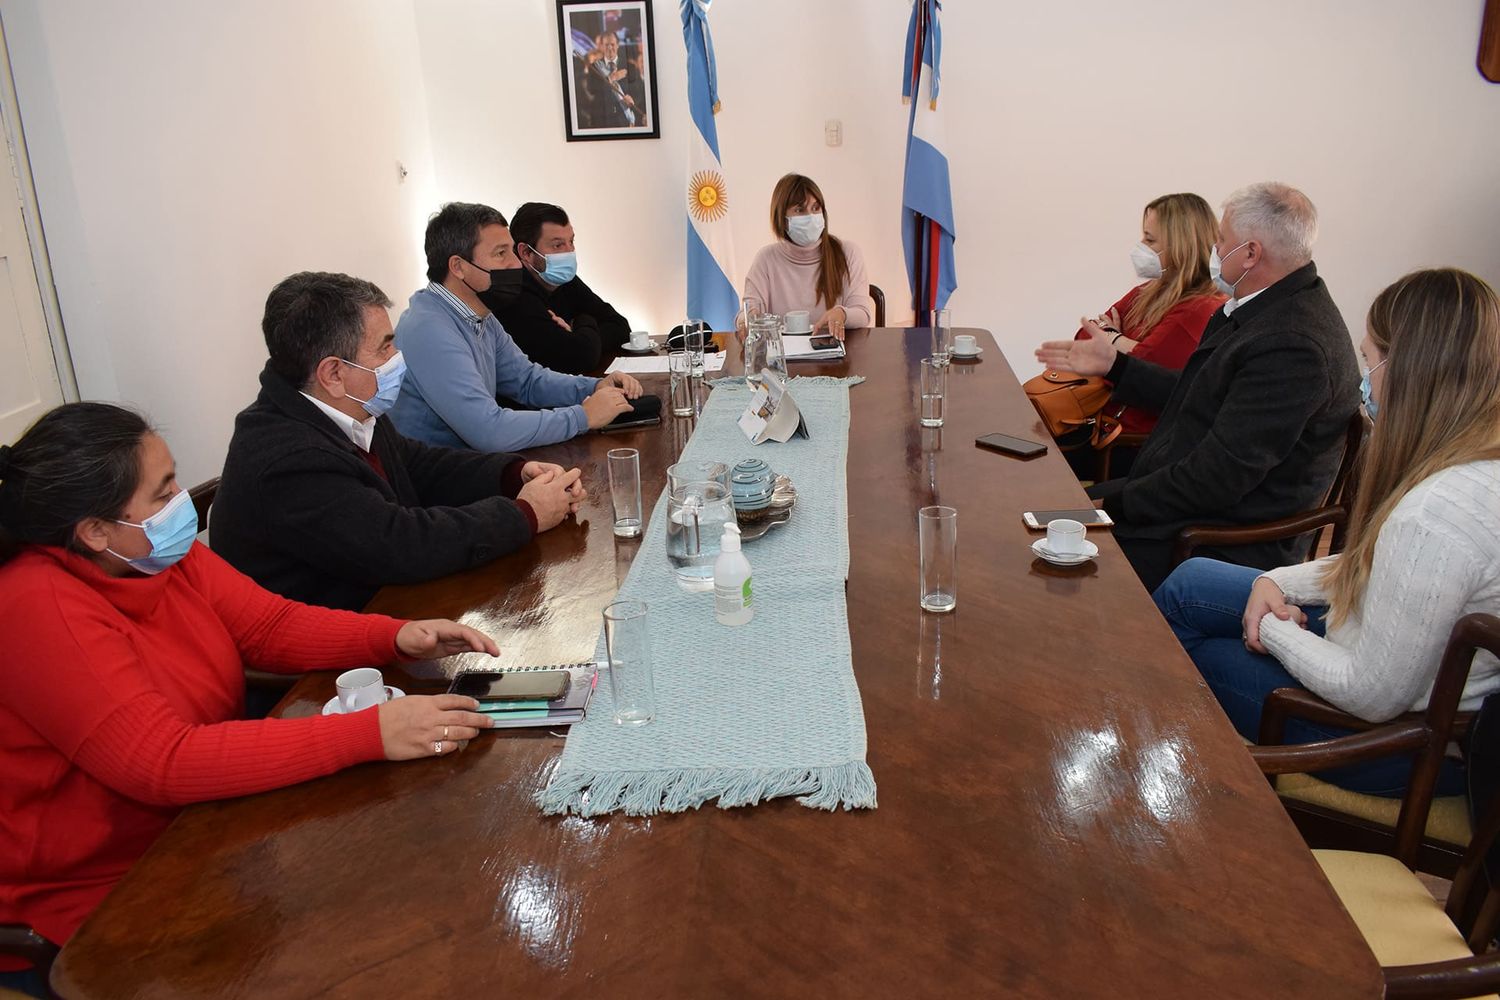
column 36, row 238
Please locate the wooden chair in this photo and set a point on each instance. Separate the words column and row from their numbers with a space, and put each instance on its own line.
column 1333, row 515
column 1330, row 816
column 1425, row 951
column 22, row 942
column 879, row 297
column 203, row 498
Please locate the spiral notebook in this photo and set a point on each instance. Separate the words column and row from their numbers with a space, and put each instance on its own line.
column 564, row 711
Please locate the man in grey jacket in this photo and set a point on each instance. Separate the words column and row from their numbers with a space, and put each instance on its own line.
column 1252, row 429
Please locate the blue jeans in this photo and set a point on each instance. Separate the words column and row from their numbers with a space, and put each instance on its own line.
column 27, row 981
column 1204, row 602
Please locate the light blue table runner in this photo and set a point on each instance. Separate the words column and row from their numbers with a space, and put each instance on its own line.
column 749, row 713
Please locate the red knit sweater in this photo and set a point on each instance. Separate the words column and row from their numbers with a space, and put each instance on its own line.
column 118, row 704
column 1169, row 343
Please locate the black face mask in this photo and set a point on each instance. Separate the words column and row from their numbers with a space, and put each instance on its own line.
column 505, row 288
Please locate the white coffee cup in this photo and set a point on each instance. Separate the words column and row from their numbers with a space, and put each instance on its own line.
column 799, row 321
column 965, row 344
column 640, row 339
column 1065, row 536
column 361, row 688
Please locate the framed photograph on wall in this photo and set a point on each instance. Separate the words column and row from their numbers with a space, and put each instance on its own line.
column 608, row 53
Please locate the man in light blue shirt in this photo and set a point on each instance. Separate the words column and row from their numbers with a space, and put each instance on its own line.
column 459, row 358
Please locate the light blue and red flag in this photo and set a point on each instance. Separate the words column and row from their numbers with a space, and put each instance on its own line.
column 926, row 199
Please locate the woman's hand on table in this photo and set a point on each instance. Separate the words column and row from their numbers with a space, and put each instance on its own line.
column 833, row 320
column 435, row 637
column 428, row 725
column 1267, row 599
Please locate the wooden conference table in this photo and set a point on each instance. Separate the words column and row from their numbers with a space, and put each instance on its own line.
column 1064, row 811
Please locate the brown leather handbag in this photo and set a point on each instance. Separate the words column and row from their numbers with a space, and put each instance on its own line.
column 1067, row 401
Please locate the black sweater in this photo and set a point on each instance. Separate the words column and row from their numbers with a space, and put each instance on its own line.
column 1251, row 430
column 302, row 511
column 596, row 325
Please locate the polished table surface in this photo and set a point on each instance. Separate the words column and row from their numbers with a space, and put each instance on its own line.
column 1064, row 810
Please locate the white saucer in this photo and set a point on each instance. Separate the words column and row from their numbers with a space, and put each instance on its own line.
column 1090, row 550
column 973, row 354
column 800, row 333
column 637, row 350
column 331, row 706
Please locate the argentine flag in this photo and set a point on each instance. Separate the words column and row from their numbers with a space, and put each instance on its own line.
column 926, row 199
column 711, row 293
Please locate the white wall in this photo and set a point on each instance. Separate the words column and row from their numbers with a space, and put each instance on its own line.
column 189, row 155
column 1064, row 120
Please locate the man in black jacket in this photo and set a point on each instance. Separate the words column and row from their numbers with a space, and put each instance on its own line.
column 323, row 501
column 557, row 319
column 1253, row 428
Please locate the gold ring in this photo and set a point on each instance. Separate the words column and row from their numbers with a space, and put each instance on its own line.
column 445, row 732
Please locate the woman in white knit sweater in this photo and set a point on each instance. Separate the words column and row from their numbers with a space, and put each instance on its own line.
column 1366, row 629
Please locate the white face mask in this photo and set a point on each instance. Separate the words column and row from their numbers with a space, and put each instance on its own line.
column 1214, row 264
column 1147, row 262
column 804, row 230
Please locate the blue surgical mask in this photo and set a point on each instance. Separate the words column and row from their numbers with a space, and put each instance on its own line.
column 1214, row 263
column 170, row 531
column 558, row 268
column 387, row 385
column 1371, row 407
column 804, row 230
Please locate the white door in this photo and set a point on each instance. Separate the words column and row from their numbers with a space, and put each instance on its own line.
column 29, row 382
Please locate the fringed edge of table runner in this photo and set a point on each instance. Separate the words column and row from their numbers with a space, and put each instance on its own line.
column 646, row 793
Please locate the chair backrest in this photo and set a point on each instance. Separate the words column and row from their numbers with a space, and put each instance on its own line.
column 879, row 297
column 203, row 498
column 1345, row 481
column 1471, row 633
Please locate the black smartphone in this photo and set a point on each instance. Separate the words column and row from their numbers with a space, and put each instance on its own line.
column 643, row 412
column 1089, row 517
column 823, row 342
column 512, row 685
column 1020, row 447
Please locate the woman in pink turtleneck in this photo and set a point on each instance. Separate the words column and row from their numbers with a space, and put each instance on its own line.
column 808, row 267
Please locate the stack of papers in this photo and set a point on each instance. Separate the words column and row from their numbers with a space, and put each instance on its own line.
column 653, row 363
column 800, row 348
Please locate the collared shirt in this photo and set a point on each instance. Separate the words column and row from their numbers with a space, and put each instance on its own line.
column 457, row 366
column 361, row 432
column 1230, row 305
column 457, row 305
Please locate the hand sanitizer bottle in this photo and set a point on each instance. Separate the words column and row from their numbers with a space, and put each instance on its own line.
column 732, row 602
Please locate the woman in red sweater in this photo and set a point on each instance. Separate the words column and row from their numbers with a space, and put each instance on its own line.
column 123, row 645
column 1162, row 319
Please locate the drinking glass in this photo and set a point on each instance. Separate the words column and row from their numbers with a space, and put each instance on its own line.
column 625, row 490
column 937, row 554
column 684, row 386
column 934, row 392
column 942, row 336
column 751, row 308
column 627, row 638
column 694, row 336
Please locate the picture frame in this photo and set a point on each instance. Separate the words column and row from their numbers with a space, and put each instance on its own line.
column 600, row 102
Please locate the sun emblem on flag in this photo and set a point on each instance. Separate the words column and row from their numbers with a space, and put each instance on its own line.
column 708, row 201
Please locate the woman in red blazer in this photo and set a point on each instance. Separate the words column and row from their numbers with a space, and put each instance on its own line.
column 1162, row 319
